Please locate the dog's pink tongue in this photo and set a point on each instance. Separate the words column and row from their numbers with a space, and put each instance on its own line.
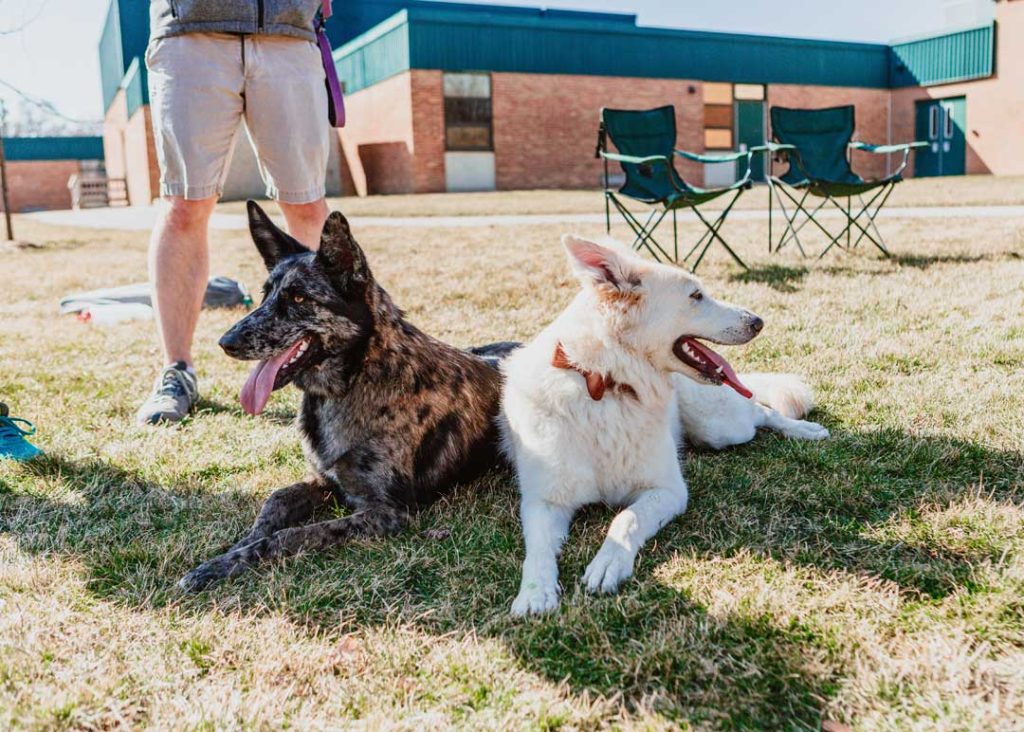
column 729, row 376
column 259, row 385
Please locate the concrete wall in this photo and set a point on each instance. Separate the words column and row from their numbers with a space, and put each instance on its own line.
column 995, row 106
column 37, row 185
column 128, row 150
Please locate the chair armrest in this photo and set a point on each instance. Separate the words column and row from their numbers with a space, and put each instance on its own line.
column 649, row 160
column 884, row 149
column 771, row 147
column 716, row 158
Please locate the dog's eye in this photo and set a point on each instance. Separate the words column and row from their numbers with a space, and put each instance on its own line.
column 298, row 298
column 696, row 295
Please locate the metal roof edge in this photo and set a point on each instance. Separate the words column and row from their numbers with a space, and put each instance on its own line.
column 382, row 28
column 917, row 38
column 471, row 17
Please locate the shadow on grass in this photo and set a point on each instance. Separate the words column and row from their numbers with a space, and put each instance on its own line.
column 776, row 276
column 810, row 504
column 922, row 261
column 273, row 415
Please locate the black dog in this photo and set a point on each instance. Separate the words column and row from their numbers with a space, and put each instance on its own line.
column 390, row 416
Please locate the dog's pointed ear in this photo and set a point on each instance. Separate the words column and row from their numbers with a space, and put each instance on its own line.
column 339, row 252
column 595, row 264
column 272, row 243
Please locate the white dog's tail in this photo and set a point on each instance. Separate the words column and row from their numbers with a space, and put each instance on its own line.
column 787, row 394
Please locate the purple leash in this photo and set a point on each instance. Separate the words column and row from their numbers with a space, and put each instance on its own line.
column 335, row 100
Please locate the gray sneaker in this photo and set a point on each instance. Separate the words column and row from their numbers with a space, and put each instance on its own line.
column 174, row 395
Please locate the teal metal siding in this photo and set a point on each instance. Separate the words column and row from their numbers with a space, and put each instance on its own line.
column 53, row 148
column 960, row 56
column 481, row 38
column 135, row 85
column 125, row 36
column 457, row 40
column 352, row 18
column 111, row 62
column 374, row 56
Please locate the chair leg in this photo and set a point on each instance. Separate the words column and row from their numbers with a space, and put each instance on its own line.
column 866, row 211
column 793, row 229
column 808, row 217
column 849, row 203
column 871, row 213
column 713, row 231
column 643, row 232
column 675, row 236
column 647, row 239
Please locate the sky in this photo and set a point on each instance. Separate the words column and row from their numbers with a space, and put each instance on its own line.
column 54, row 57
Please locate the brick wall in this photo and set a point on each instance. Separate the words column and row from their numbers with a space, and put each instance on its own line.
column 377, row 140
column 35, row 185
column 995, row 106
column 872, row 116
column 393, row 141
column 545, row 125
column 428, row 129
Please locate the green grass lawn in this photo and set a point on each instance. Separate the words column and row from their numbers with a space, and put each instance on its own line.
column 875, row 579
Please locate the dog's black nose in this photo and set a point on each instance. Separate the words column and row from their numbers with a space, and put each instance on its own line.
column 229, row 342
column 756, row 324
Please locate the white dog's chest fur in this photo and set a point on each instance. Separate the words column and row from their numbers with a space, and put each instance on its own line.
column 578, row 450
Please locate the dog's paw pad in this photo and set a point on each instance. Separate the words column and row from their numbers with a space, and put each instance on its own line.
column 609, row 569
column 534, row 601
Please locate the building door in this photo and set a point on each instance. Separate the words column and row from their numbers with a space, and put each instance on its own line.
column 941, row 123
column 750, row 133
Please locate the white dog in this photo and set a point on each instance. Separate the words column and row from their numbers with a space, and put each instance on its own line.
column 593, row 409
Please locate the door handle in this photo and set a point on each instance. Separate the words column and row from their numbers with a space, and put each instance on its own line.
column 945, row 146
column 935, row 147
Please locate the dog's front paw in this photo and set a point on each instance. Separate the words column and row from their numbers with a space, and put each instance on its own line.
column 535, row 600
column 808, row 431
column 204, row 575
column 609, row 569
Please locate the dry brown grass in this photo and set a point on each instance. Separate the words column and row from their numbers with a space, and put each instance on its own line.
column 980, row 190
column 875, row 578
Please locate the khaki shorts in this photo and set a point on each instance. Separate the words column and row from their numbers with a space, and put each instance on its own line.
column 202, row 84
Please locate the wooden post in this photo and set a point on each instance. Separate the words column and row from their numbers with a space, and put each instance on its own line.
column 3, row 174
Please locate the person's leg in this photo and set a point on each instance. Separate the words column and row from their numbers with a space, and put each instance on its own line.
column 286, row 118
column 178, row 271
column 305, row 220
column 195, row 89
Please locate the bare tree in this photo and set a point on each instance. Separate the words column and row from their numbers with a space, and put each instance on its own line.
column 27, row 19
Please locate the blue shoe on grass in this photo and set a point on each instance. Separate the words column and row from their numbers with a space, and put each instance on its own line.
column 13, row 432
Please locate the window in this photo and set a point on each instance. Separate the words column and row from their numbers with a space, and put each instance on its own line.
column 718, row 139
column 720, row 102
column 718, row 116
column 749, row 92
column 467, row 112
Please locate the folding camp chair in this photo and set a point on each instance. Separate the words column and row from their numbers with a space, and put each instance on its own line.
column 645, row 143
column 817, row 143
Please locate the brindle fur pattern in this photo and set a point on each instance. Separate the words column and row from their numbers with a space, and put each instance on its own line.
column 390, row 416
